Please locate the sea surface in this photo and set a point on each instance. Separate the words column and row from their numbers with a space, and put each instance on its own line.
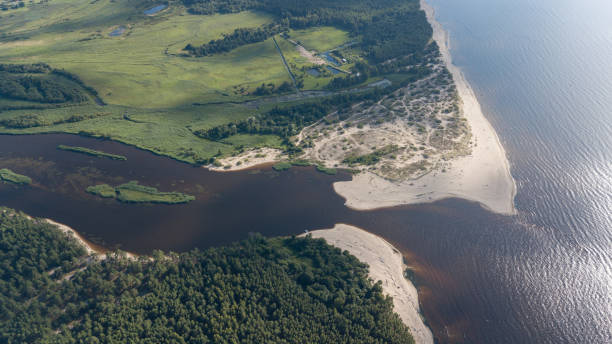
column 542, row 71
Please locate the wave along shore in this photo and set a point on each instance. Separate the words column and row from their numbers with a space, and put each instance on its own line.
column 483, row 176
column 386, row 264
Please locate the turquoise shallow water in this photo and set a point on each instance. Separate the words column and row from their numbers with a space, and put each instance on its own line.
column 542, row 71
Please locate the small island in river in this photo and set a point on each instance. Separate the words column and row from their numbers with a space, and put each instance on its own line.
column 9, row 176
column 132, row 192
column 92, row 152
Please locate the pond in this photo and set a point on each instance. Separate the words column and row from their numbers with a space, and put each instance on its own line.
column 117, row 32
column 152, row 11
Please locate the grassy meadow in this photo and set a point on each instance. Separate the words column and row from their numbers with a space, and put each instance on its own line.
column 156, row 96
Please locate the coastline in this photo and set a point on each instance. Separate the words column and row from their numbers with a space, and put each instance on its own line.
column 386, row 264
column 483, row 176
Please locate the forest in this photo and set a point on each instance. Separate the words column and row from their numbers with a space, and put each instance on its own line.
column 279, row 290
column 40, row 83
column 41, row 89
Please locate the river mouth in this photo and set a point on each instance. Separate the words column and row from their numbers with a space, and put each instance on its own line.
column 441, row 240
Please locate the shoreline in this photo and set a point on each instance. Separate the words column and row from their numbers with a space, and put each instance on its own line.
column 386, row 264
column 91, row 249
column 483, row 176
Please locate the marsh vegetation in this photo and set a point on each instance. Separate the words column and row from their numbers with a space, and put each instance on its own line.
column 8, row 176
column 92, row 152
column 132, row 192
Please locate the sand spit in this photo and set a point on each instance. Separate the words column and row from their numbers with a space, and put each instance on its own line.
column 484, row 176
column 386, row 265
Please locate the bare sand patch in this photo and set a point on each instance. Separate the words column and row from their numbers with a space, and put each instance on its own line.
column 483, row 176
column 247, row 160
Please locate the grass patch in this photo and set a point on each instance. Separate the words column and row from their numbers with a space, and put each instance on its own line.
column 282, row 166
column 91, row 152
column 143, row 67
column 9, row 176
column 132, row 192
column 372, row 158
column 326, row 170
column 320, row 39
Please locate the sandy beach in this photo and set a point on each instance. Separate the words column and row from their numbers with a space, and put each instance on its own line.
column 386, row 265
column 252, row 158
column 89, row 247
column 68, row 230
column 483, row 176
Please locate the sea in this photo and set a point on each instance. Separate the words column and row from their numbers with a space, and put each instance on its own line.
column 542, row 71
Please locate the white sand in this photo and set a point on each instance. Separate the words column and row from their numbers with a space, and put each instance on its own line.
column 90, row 248
column 387, row 265
column 248, row 159
column 68, row 230
column 484, row 176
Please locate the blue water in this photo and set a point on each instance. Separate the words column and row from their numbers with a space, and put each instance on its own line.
column 154, row 10
column 117, row 32
column 330, row 58
column 542, row 70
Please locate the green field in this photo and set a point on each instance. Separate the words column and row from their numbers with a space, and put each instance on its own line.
column 140, row 68
column 141, row 73
column 156, row 94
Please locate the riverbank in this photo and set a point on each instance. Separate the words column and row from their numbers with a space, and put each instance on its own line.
column 386, row 264
column 89, row 247
column 483, row 176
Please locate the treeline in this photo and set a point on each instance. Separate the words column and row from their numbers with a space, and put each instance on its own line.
column 32, row 120
column 207, row 7
column 240, row 37
column 41, row 89
column 75, row 78
column 288, row 121
column 270, row 88
column 35, row 68
column 17, row 83
column 292, row 290
column 404, row 66
column 390, row 28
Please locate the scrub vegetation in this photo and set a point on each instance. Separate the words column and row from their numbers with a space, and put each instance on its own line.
column 92, row 152
column 280, row 290
column 132, row 192
column 8, row 176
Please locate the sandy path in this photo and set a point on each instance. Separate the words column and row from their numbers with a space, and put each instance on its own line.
column 386, row 265
column 484, row 176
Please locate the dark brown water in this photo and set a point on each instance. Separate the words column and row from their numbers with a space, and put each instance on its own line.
column 462, row 255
